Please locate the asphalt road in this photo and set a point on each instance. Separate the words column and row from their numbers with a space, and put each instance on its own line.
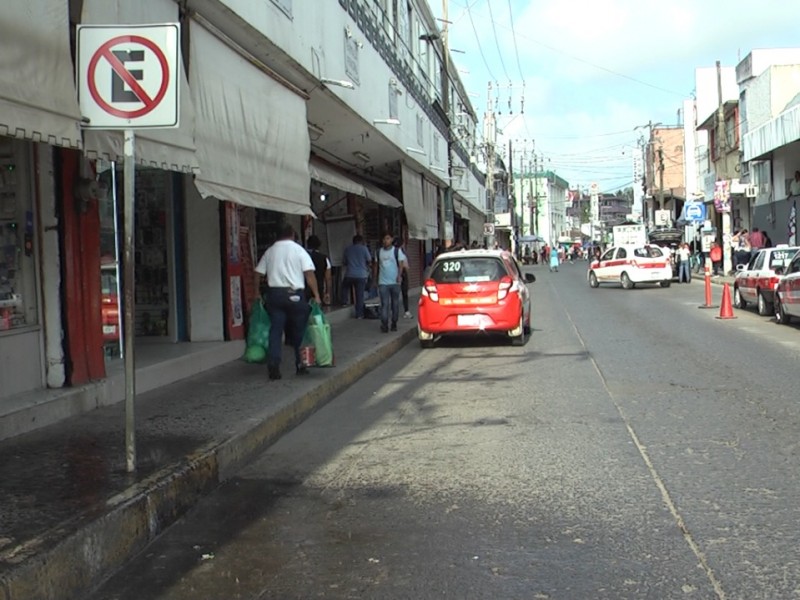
column 636, row 447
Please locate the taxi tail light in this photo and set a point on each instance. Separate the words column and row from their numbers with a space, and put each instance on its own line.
column 506, row 285
column 773, row 282
column 429, row 290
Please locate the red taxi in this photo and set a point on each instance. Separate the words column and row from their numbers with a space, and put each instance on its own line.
column 475, row 292
column 629, row 265
column 754, row 283
column 787, row 292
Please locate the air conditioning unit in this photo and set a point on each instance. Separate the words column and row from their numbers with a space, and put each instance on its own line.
column 751, row 191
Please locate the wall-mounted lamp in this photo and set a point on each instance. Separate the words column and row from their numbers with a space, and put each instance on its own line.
column 416, row 150
column 340, row 82
column 429, row 37
column 391, row 121
column 361, row 156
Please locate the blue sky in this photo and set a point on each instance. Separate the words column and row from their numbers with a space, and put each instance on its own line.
column 595, row 69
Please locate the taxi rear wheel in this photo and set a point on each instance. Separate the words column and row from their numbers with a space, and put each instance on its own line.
column 763, row 305
column 519, row 340
column 738, row 301
column 626, row 281
column 780, row 314
column 665, row 283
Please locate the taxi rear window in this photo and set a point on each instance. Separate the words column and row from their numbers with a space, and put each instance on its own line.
column 781, row 257
column 648, row 252
column 468, row 270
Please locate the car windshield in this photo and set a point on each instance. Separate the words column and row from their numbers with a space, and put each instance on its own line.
column 648, row 252
column 781, row 257
column 461, row 269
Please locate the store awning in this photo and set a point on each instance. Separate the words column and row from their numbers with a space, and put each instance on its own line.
column 168, row 149
column 329, row 175
column 378, row 196
column 430, row 200
column 38, row 100
column 413, row 204
column 251, row 131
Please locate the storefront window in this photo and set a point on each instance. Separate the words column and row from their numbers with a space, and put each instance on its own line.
column 109, row 263
column 17, row 276
column 151, row 267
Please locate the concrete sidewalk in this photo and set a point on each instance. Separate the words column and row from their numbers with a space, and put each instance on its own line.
column 71, row 514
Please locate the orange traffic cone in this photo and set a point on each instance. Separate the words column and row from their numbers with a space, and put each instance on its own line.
column 726, row 309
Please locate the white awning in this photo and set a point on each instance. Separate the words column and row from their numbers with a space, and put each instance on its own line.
column 430, row 200
column 329, row 175
column 251, row 132
column 325, row 173
column 168, row 149
column 38, row 100
column 378, row 196
column 413, row 204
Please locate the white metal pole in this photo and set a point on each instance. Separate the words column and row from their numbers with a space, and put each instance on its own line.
column 128, row 323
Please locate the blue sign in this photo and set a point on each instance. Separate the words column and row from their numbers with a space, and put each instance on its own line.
column 695, row 211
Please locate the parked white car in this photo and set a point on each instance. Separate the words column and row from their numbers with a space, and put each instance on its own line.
column 787, row 293
column 755, row 282
column 629, row 265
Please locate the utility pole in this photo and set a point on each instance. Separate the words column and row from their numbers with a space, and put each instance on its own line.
column 512, row 199
column 660, row 178
column 535, row 223
column 489, row 132
column 448, row 216
column 722, row 174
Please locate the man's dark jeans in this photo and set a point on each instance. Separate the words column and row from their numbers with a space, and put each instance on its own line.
column 358, row 286
column 288, row 312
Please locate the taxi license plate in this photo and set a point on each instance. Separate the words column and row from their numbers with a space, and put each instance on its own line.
column 109, row 329
column 468, row 320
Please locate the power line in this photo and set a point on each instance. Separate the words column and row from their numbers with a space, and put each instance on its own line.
column 516, row 52
column 602, row 68
column 478, row 40
column 497, row 42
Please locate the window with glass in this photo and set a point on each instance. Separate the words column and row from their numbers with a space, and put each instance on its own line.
column 17, row 276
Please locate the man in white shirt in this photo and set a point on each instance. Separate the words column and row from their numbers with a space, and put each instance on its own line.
column 288, row 270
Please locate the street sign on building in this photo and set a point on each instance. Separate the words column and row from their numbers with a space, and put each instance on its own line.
column 128, row 75
column 488, row 229
column 695, row 212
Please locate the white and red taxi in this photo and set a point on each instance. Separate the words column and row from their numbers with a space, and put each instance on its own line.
column 787, row 292
column 475, row 292
column 754, row 283
column 629, row 265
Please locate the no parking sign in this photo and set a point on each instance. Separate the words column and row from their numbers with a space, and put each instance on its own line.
column 128, row 75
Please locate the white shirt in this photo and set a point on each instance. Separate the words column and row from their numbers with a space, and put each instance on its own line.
column 285, row 263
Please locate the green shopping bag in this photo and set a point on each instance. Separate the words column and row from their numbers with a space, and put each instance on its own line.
column 318, row 334
column 257, row 334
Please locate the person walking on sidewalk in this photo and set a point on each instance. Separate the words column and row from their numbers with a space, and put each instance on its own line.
column 404, row 283
column 357, row 263
column 288, row 270
column 322, row 269
column 715, row 254
column 684, row 255
column 388, row 273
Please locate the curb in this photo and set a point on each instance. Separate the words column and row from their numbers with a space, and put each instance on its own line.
column 83, row 551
